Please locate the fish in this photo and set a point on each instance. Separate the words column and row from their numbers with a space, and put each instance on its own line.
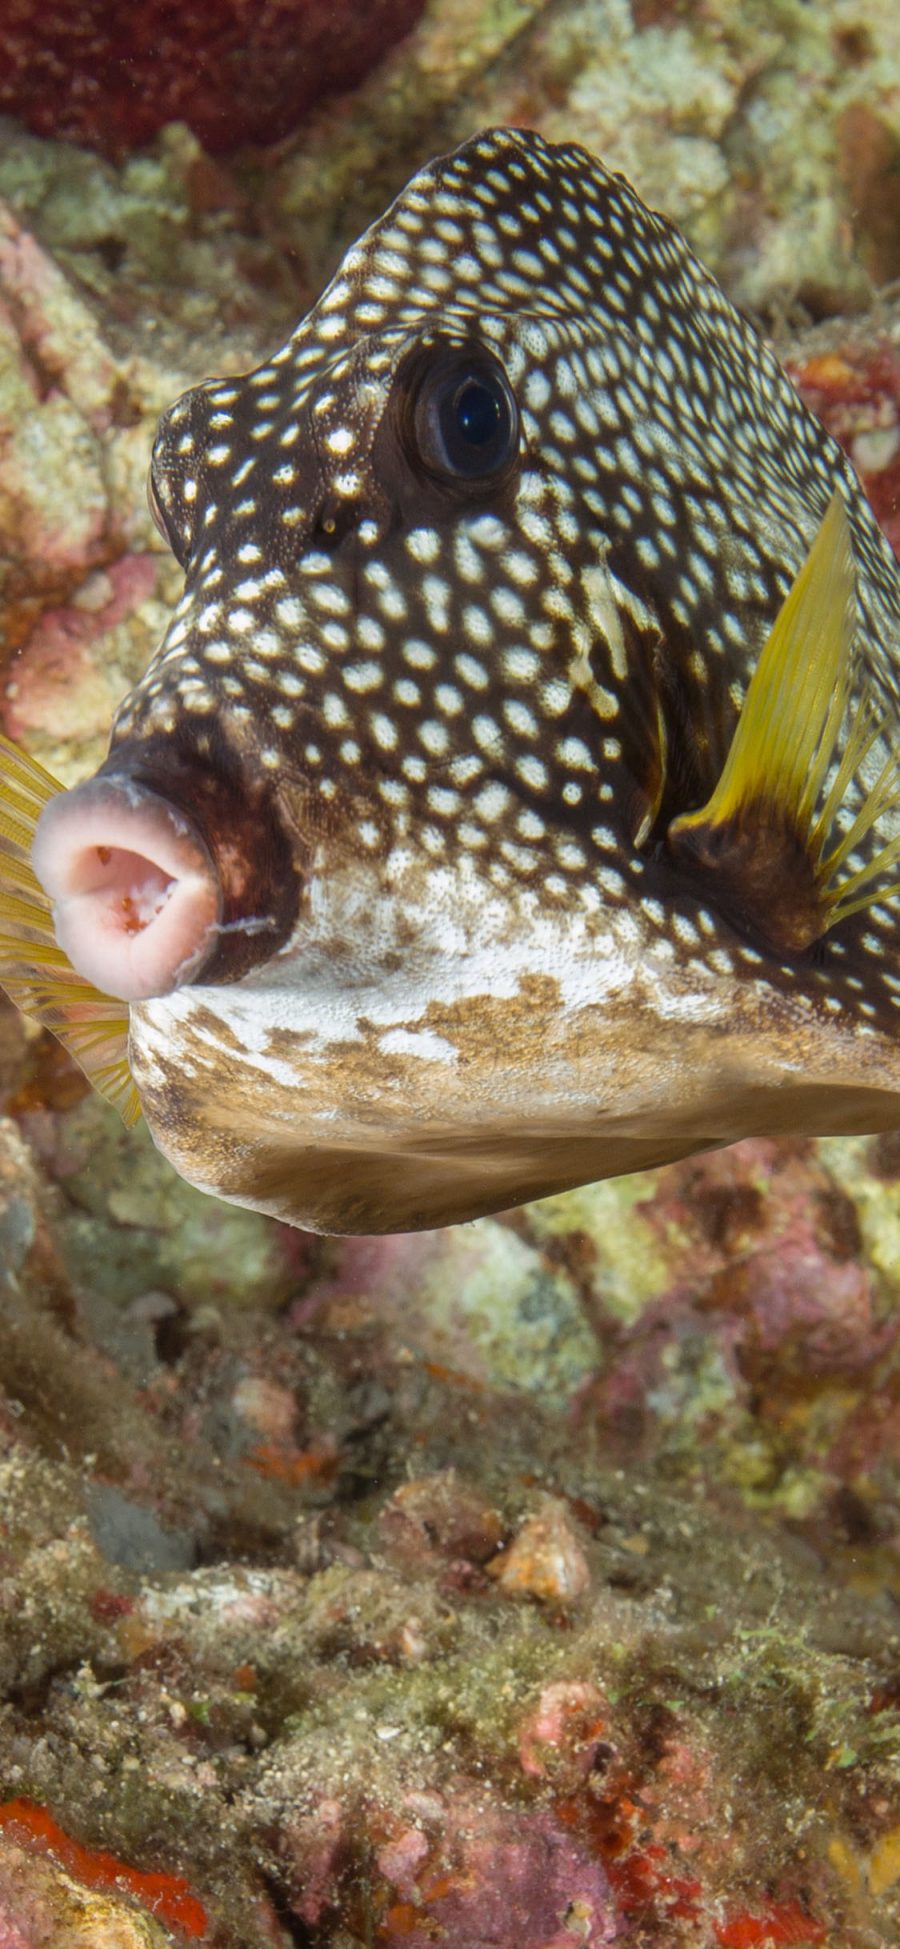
column 512, row 801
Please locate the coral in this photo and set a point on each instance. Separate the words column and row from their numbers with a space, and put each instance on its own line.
column 769, row 133
column 110, row 78
column 855, row 390
column 80, row 600
column 167, row 1896
column 544, row 1559
column 362, row 1725
column 512, row 1877
column 64, row 671
column 43, row 1907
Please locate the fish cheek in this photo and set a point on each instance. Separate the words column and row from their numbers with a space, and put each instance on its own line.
column 370, row 1141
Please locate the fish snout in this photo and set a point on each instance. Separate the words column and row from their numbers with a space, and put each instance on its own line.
column 136, row 896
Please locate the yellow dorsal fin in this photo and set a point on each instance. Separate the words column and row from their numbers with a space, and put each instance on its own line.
column 764, row 835
column 34, row 972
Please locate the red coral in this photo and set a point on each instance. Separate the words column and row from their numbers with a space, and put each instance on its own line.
column 109, row 74
column 856, row 394
column 293, row 1464
column 644, row 1879
column 647, row 1877
column 107, row 1606
column 168, row 1896
column 778, row 1923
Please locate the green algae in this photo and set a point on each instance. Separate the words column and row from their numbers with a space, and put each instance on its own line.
column 628, row 1267
column 132, row 1226
column 526, row 1329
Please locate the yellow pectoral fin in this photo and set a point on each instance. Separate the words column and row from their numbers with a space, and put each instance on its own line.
column 793, row 709
column 761, row 842
column 34, row 972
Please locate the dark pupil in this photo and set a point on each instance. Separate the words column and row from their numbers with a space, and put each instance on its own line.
column 477, row 413
column 469, row 423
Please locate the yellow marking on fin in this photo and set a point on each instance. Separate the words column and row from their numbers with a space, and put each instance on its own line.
column 34, row 972
column 765, row 831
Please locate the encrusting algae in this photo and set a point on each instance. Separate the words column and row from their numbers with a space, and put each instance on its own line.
column 513, row 799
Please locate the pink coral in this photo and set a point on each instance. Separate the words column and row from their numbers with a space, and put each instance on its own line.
column 561, row 1732
column 855, row 391
column 59, row 684
column 318, row 1846
column 503, row 1878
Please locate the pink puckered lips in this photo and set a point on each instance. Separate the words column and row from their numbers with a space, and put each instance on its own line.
column 136, row 898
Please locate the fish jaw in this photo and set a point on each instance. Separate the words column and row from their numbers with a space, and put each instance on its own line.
column 351, row 1095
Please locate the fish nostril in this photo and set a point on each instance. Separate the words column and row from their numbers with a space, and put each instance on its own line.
column 336, row 520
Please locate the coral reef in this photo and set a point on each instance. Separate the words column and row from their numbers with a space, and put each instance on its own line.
column 850, row 376
column 366, row 1634
column 769, row 133
column 530, row 1585
column 110, row 77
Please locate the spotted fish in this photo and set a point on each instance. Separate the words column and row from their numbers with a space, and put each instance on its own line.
column 513, row 799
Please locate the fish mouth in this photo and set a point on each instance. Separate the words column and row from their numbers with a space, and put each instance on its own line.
column 136, row 897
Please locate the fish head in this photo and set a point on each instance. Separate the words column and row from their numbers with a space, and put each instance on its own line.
column 398, row 779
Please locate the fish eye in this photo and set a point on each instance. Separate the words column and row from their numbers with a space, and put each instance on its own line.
column 465, row 422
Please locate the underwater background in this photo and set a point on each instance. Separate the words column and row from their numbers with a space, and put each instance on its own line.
column 532, row 1584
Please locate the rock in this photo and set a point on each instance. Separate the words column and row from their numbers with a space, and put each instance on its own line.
column 544, row 1560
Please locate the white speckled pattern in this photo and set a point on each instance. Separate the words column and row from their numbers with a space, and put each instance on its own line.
column 478, row 700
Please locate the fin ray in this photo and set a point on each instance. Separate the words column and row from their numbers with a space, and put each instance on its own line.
column 770, row 831
column 34, row 972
